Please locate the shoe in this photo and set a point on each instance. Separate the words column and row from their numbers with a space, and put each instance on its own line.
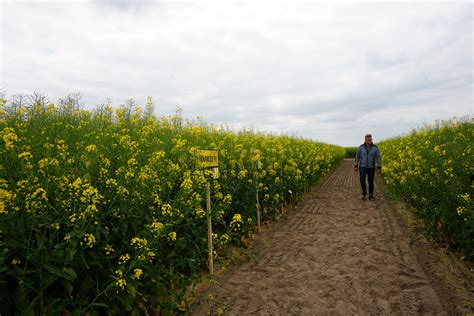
column 371, row 198
column 363, row 197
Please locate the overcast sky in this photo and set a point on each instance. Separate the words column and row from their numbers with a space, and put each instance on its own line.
column 326, row 71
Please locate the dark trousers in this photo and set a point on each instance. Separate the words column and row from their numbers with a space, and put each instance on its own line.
column 369, row 173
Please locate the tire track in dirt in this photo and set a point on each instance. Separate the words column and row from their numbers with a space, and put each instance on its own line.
column 334, row 254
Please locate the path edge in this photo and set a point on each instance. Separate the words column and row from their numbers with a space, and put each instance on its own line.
column 452, row 277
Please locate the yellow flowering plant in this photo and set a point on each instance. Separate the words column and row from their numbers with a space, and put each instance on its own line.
column 98, row 206
column 433, row 168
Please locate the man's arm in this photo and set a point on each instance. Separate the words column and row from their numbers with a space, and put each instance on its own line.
column 357, row 157
column 378, row 159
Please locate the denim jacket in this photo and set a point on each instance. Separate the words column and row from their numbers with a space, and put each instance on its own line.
column 366, row 158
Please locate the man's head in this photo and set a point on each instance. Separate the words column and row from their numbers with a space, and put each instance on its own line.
column 368, row 139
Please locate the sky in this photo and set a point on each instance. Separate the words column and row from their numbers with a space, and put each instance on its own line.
column 327, row 71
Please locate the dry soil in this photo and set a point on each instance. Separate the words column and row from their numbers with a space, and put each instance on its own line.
column 335, row 254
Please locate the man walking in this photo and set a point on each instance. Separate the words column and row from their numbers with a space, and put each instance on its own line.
column 366, row 160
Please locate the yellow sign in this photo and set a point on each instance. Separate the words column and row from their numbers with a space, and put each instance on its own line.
column 208, row 158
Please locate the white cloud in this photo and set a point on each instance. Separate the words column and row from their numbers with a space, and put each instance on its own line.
column 326, row 71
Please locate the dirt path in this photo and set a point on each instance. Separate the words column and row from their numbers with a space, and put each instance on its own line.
column 334, row 254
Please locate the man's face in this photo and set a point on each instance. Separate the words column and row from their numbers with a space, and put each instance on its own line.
column 368, row 140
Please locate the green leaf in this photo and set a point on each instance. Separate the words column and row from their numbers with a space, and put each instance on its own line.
column 67, row 286
column 128, row 306
column 131, row 289
column 84, row 261
column 69, row 255
column 100, row 305
column 76, row 312
column 46, row 282
column 66, row 273
column 30, row 310
column 72, row 274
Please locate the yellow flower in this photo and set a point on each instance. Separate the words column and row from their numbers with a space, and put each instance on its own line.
column 237, row 218
column 61, row 145
column 25, row 155
column 242, row 174
column 16, row 261
column 77, row 184
column 151, row 255
column 91, row 148
column 121, row 283
column 88, row 241
column 137, row 273
column 9, row 137
column 3, row 183
column 122, row 191
column 132, row 162
column 187, row 184
column 224, row 239
column 466, row 197
column 166, row 209
column 35, row 201
column 55, row 226
column 90, row 195
column 172, row 236
column 156, row 226
column 108, row 250
column 138, row 243
column 73, row 218
column 5, row 197
column 228, row 198
column 157, row 155
column 460, row 210
column 129, row 174
column 124, row 258
column 200, row 212
column 236, row 222
column 41, row 193
column 111, row 182
column 44, row 163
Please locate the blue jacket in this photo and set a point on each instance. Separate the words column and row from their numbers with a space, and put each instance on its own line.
column 366, row 158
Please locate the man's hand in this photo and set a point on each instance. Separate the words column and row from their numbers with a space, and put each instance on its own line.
column 356, row 168
column 379, row 171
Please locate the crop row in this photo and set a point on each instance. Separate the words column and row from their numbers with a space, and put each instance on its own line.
column 105, row 210
column 433, row 169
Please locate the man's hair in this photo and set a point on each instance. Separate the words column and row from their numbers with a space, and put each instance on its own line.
column 368, row 135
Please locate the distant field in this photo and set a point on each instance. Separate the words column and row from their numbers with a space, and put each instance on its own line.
column 350, row 152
